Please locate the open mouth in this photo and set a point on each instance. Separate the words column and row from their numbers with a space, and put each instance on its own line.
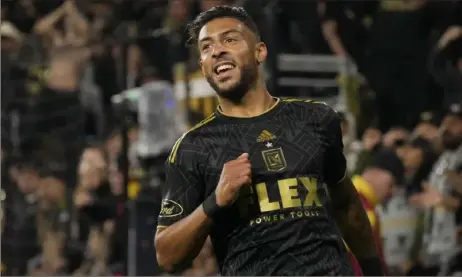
column 223, row 67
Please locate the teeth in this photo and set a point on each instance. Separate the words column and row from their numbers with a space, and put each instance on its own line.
column 224, row 67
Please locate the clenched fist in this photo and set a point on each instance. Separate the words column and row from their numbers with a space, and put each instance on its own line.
column 235, row 174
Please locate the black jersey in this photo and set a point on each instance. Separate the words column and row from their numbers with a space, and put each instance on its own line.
column 281, row 225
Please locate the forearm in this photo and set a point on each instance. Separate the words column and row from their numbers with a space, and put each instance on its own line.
column 181, row 242
column 78, row 26
column 355, row 227
column 79, row 22
column 47, row 23
column 329, row 30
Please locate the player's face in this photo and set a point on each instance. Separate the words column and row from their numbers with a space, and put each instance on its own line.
column 229, row 57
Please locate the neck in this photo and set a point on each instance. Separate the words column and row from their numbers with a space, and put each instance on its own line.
column 255, row 102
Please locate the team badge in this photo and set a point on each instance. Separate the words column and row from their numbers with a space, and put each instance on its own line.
column 274, row 159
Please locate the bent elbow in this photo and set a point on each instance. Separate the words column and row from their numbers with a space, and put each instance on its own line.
column 164, row 260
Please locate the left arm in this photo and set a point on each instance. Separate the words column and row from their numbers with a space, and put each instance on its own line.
column 348, row 210
column 355, row 226
column 77, row 26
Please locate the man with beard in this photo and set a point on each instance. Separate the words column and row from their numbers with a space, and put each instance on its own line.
column 441, row 197
column 252, row 175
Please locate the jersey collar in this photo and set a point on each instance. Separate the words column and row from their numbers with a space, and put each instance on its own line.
column 265, row 115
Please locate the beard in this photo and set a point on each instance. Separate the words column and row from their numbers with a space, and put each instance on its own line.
column 451, row 141
column 237, row 91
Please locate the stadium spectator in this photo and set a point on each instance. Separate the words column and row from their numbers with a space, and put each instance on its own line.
column 441, row 198
column 97, row 209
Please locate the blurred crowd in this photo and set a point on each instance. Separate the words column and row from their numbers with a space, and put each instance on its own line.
column 76, row 73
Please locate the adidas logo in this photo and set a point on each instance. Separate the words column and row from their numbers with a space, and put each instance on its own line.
column 265, row 136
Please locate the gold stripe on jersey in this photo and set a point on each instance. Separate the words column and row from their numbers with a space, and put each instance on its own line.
column 172, row 156
column 292, row 100
column 161, row 227
column 302, row 100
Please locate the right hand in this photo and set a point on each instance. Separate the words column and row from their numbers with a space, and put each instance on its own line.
column 235, row 174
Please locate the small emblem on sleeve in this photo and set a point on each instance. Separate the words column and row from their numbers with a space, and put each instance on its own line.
column 170, row 208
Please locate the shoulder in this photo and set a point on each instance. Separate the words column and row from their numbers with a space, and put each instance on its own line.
column 186, row 147
column 316, row 109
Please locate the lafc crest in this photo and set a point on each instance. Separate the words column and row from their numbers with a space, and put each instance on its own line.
column 274, row 159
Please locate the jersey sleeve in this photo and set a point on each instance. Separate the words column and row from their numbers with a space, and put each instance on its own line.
column 183, row 189
column 334, row 161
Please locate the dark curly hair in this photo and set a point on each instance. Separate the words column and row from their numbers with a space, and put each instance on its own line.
column 203, row 18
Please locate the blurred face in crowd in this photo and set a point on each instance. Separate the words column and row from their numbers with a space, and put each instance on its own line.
column 411, row 156
column 452, row 132
column 51, row 188
column 27, row 181
column 92, row 167
column 94, row 157
column 383, row 182
column 178, row 10
column 230, row 55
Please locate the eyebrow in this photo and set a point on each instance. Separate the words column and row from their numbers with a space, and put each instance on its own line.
column 221, row 34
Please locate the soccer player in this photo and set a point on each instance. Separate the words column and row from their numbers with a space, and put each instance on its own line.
column 252, row 175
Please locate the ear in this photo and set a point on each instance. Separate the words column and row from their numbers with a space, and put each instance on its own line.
column 201, row 64
column 261, row 52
